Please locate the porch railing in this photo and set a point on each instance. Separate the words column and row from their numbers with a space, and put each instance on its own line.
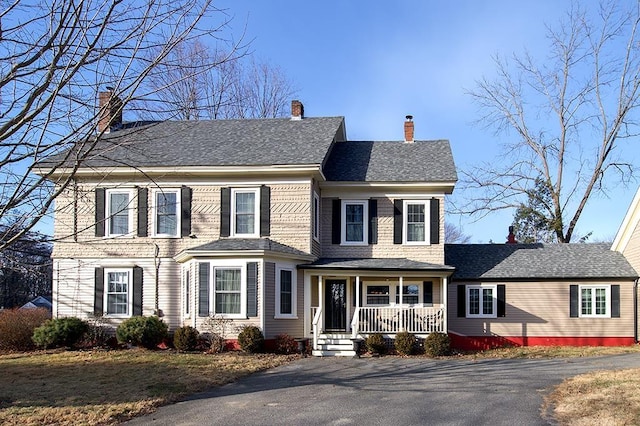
column 391, row 320
column 317, row 313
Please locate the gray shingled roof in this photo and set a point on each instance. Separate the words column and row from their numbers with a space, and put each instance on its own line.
column 218, row 143
column 536, row 261
column 393, row 264
column 419, row 161
column 247, row 244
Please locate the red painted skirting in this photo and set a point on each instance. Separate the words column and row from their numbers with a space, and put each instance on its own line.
column 470, row 343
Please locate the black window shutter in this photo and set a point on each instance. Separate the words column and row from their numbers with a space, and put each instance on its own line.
column 143, row 209
column 265, row 211
column 573, row 301
column 98, row 297
column 397, row 222
column 427, row 292
column 462, row 301
column 502, row 300
column 373, row 221
column 137, row 290
column 252, row 289
column 435, row 220
column 615, row 301
column 335, row 222
column 225, row 212
column 100, row 212
column 185, row 211
column 203, row 289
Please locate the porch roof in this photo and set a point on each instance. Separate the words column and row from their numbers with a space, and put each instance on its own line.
column 242, row 246
column 376, row 264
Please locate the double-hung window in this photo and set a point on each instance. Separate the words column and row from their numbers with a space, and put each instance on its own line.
column 166, row 212
column 354, row 222
column 481, row 301
column 595, row 301
column 410, row 294
column 245, row 212
column 416, row 219
column 285, row 294
column 228, row 291
column 377, row 294
column 120, row 220
column 118, row 298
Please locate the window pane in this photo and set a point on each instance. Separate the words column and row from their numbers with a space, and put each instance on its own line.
column 601, row 301
column 227, row 291
column 474, row 301
column 415, row 222
column 354, row 217
column 378, row 295
column 167, row 213
column 117, row 293
column 227, row 280
column 586, row 301
column 285, row 292
column 245, row 212
column 487, row 301
column 228, row 303
column 409, row 294
column 118, row 209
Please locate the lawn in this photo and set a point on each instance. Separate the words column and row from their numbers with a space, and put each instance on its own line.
column 107, row 387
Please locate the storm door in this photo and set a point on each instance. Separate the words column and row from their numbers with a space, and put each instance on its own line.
column 335, row 318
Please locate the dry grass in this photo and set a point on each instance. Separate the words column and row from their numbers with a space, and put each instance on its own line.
column 529, row 352
column 602, row 398
column 102, row 388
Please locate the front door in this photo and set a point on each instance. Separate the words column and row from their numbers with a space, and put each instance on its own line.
column 335, row 318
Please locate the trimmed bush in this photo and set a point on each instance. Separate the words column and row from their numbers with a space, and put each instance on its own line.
column 405, row 343
column 142, row 331
column 251, row 339
column 17, row 325
column 60, row 332
column 437, row 344
column 185, row 338
column 216, row 343
column 286, row 344
column 375, row 343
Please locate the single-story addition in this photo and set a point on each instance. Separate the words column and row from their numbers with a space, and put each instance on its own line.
column 540, row 294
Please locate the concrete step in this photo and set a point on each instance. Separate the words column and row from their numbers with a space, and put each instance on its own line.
column 322, row 341
column 350, row 353
column 336, row 347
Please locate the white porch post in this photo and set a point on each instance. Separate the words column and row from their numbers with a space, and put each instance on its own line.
column 401, row 282
column 355, row 321
column 321, row 301
column 357, row 291
column 307, row 304
column 445, row 302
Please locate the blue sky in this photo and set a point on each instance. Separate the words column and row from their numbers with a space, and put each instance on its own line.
column 374, row 62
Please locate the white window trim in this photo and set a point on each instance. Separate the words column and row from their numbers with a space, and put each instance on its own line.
column 105, row 303
column 154, row 217
column 256, row 213
column 243, row 290
column 294, row 294
column 607, row 289
column 315, row 219
column 365, row 221
column 108, row 213
column 405, row 222
column 494, row 289
column 406, row 284
column 368, row 284
column 186, row 296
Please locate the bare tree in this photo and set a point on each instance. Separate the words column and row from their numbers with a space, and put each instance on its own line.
column 236, row 87
column 454, row 234
column 567, row 115
column 55, row 56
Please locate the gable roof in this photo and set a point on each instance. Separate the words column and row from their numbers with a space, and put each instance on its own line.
column 629, row 224
column 241, row 142
column 536, row 261
column 419, row 161
column 239, row 245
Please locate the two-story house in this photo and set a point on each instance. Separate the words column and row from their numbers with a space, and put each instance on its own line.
column 287, row 225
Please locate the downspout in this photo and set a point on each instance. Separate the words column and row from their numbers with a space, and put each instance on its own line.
column 635, row 310
column 156, row 264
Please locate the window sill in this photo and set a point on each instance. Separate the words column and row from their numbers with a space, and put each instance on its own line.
column 481, row 316
column 166, row 237
column 595, row 316
column 416, row 243
column 351, row 244
column 289, row 317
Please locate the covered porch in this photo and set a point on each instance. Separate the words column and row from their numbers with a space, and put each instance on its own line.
column 350, row 299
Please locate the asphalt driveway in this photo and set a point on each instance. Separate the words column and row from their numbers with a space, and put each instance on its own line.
column 387, row 391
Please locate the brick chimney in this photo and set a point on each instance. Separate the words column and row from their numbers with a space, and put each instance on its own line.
column 408, row 129
column 297, row 110
column 511, row 238
column 110, row 114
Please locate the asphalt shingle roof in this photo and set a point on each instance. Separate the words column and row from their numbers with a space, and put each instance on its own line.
column 536, row 261
column 242, row 244
column 218, row 143
column 420, row 161
column 392, row 264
